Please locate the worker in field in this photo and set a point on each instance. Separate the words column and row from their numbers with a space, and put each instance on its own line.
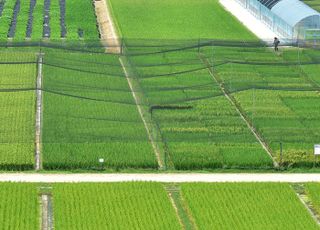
column 276, row 43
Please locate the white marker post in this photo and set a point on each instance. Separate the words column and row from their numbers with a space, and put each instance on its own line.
column 316, row 152
column 101, row 161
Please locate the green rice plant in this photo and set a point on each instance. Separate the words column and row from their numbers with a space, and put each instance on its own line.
column 22, row 20
column 80, row 20
column 17, row 83
column 169, row 19
column 19, row 208
column 313, row 193
column 37, row 25
column 113, row 206
column 55, row 28
column 5, row 19
column 246, row 206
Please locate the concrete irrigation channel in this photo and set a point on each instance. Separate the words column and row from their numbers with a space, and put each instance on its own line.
column 38, row 114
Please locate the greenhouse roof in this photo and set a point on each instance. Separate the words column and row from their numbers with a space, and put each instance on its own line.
column 293, row 11
column 269, row 3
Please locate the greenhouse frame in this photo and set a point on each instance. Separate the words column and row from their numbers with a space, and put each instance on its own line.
column 291, row 19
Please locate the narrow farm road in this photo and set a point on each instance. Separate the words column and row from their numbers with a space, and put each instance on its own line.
column 165, row 177
column 107, row 29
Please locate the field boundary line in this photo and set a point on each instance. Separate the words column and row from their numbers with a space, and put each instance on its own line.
column 108, row 35
column 175, row 209
column 38, row 125
column 304, row 199
column 182, row 210
column 238, row 109
column 155, row 149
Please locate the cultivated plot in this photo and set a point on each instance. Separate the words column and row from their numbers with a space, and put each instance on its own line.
column 199, row 126
column 246, row 206
column 278, row 94
column 19, row 207
column 113, row 206
column 89, row 113
column 169, row 19
column 17, row 116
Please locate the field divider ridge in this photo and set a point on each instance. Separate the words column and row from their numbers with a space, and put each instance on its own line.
column 239, row 110
column 46, row 208
column 183, row 214
column 304, row 199
column 140, row 110
column 38, row 125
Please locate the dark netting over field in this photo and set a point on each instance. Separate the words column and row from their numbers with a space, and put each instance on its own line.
column 195, row 98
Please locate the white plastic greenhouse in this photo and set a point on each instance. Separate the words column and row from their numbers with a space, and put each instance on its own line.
column 292, row 19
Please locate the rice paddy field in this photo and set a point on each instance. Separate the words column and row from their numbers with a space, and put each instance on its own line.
column 89, row 113
column 148, row 205
column 34, row 20
column 201, row 104
column 191, row 90
column 247, row 206
column 19, row 207
column 169, row 19
column 17, row 117
column 199, row 126
column 118, row 206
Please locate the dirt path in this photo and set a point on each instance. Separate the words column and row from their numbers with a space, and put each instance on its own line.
column 38, row 114
column 183, row 214
column 159, row 177
column 109, row 37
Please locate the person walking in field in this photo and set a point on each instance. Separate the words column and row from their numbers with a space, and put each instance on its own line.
column 276, row 43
